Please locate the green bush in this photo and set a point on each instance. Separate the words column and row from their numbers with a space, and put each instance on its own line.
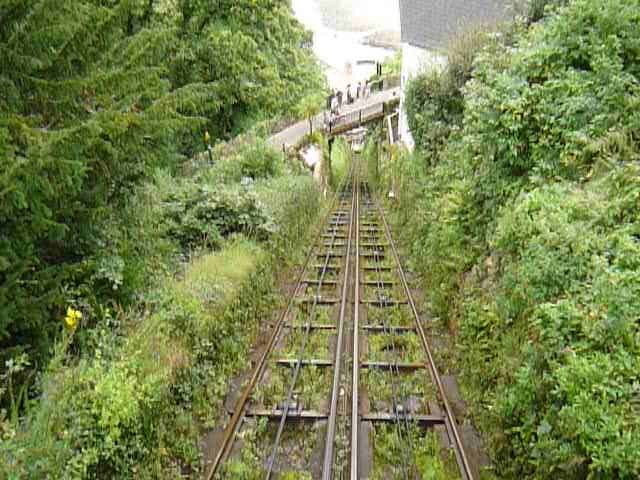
column 291, row 204
column 201, row 216
column 535, row 10
column 525, row 224
column 392, row 65
column 133, row 407
column 371, row 155
column 128, row 393
column 434, row 109
column 341, row 158
column 572, row 82
column 96, row 97
column 248, row 158
column 213, row 205
column 570, row 281
column 434, row 99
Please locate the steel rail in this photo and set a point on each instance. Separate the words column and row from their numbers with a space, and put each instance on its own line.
column 403, row 394
column 400, row 416
column 355, row 373
column 327, row 467
column 461, row 457
column 310, row 319
column 287, row 403
column 233, row 426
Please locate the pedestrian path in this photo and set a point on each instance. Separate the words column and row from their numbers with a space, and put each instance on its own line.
column 294, row 133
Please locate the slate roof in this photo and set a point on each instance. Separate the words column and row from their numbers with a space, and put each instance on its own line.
column 430, row 24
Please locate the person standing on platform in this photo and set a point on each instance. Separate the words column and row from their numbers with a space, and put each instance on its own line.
column 358, row 90
column 339, row 95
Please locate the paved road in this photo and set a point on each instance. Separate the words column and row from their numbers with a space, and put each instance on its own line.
column 294, row 133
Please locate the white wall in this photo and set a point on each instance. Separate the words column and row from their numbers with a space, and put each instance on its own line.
column 414, row 61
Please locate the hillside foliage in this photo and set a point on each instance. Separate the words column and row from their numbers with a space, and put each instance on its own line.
column 528, row 233
column 131, row 391
column 95, row 97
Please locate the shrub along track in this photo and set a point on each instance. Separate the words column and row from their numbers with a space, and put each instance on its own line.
column 309, row 409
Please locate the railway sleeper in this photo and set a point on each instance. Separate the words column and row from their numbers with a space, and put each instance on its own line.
column 314, row 415
column 337, row 237
column 319, row 362
column 319, row 301
column 335, row 244
column 375, row 254
column 378, row 283
column 312, row 362
column 393, row 365
column 329, row 254
column 327, row 268
column 324, row 283
column 383, row 330
column 375, row 245
column 378, row 268
column 313, row 326
column 383, row 304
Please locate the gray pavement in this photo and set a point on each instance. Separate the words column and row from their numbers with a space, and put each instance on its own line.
column 294, row 133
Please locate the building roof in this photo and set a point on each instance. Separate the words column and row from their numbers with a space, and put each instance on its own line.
column 430, row 24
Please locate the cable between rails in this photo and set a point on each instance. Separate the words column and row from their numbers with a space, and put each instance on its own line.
column 461, row 457
column 233, row 426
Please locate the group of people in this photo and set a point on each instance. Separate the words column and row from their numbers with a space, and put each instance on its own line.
column 337, row 98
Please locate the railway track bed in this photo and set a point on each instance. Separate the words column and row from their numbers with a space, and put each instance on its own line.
column 347, row 387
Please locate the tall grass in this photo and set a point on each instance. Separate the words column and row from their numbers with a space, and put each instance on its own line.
column 341, row 159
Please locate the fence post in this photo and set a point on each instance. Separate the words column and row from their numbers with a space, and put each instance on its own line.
column 360, row 117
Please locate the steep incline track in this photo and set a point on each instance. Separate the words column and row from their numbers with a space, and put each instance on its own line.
column 347, row 387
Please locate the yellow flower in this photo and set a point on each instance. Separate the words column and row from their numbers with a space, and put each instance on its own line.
column 71, row 320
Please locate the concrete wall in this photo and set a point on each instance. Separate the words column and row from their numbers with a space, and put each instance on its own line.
column 414, row 61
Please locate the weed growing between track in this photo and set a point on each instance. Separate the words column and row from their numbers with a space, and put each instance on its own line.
column 391, row 453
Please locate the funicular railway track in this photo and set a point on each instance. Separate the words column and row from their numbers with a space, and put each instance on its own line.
column 347, row 387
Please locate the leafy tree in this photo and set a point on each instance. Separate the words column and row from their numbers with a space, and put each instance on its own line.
column 85, row 120
column 309, row 107
column 97, row 95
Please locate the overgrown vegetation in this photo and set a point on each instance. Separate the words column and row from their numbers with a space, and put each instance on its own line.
column 134, row 406
column 393, row 460
column 96, row 97
column 341, row 158
column 392, row 65
column 523, row 197
column 131, row 393
column 371, row 155
column 107, row 212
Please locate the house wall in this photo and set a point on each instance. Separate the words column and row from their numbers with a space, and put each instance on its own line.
column 414, row 61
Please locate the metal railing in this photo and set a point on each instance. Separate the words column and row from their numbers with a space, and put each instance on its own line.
column 356, row 117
